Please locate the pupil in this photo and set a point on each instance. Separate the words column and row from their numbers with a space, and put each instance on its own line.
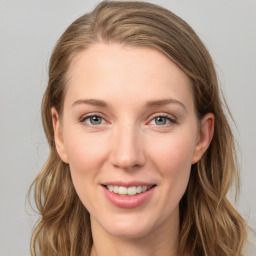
column 160, row 120
column 95, row 120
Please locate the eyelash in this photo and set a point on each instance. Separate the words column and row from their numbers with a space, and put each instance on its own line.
column 84, row 118
column 170, row 118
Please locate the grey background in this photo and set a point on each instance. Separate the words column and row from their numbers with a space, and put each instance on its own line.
column 28, row 32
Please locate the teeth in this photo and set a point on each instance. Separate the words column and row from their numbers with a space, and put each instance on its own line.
column 122, row 191
column 115, row 189
column 139, row 189
column 131, row 191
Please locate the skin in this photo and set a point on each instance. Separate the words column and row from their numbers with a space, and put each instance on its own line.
column 128, row 143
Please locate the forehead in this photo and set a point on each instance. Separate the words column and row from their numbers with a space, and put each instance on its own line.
column 114, row 71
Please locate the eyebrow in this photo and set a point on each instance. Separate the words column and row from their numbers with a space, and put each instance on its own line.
column 151, row 103
column 165, row 102
column 93, row 102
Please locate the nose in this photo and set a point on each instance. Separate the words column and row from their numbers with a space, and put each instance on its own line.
column 127, row 150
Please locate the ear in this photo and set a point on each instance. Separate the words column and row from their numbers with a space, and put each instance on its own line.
column 205, row 135
column 58, row 138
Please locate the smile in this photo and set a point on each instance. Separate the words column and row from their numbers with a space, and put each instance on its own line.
column 130, row 191
column 128, row 195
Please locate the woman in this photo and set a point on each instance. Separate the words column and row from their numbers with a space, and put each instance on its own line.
column 141, row 153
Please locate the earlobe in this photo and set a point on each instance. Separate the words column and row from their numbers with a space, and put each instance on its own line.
column 206, row 131
column 58, row 137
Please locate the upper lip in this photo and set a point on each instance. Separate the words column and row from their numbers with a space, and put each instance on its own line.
column 128, row 184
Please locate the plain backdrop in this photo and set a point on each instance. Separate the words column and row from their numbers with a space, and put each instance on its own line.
column 28, row 32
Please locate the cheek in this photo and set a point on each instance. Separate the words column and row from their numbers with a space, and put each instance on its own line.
column 85, row 152
column 172, row 159
column 174, row 153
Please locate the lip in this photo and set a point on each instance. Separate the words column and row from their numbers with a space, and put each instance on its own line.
column 128, row 202
column 127, row 184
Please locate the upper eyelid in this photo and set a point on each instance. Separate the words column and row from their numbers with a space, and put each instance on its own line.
column 150, row 117
column 163, row 115
column 172, row 120
column 92, row 114
column 83, row 118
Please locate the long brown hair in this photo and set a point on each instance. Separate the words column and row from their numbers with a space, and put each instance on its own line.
column 209, row 225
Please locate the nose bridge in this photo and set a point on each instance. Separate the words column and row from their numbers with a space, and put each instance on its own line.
column 127, row 149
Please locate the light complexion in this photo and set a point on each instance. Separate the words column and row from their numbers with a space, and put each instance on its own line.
column 129, row 127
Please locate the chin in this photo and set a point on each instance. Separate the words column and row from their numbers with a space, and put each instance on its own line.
column 129, row 228
column 129, row 233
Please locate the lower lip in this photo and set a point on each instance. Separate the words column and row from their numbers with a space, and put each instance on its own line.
column 128, row 201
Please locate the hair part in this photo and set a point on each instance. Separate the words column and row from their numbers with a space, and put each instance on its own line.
column 209, row 225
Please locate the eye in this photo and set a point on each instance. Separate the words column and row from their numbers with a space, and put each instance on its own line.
column 93, row 120
column 161, row 120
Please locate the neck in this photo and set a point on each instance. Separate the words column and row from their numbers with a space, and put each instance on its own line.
column 162, row 241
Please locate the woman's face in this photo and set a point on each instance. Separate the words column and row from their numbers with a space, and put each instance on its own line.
column 129, row 125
